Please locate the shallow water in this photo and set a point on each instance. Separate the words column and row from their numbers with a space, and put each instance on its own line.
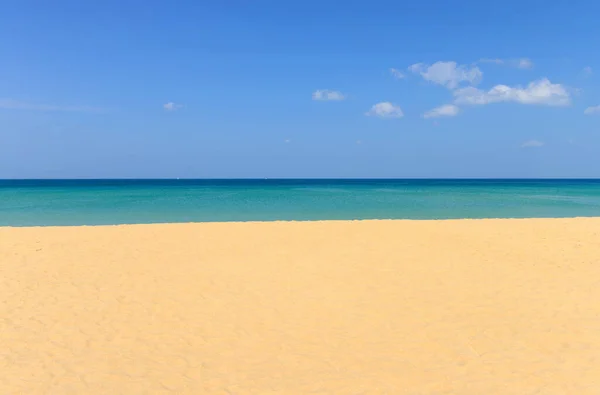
column 95, row 202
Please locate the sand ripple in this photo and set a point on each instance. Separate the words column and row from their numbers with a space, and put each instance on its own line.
column 474, row 307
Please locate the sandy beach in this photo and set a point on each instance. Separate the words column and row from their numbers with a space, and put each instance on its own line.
column 466, row 307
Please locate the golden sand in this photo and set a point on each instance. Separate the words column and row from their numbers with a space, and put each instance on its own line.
column 470, row 307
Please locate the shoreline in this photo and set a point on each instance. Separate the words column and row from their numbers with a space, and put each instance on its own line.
column 408, row 220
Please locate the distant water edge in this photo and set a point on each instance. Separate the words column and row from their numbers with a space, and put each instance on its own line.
column 104, row 202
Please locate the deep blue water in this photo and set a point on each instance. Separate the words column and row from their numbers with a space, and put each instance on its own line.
column 94, row 202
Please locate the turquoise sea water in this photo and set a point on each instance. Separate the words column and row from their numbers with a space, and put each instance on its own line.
column 94, row 202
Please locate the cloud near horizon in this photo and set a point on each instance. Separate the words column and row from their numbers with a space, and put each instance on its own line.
column 385, row 110
column 524, row 63
column 520, row 63
column 397, row 73
column 541, row 92
column 170, row 106
column 448, row 74
column 446, row 110
column 327, row 95
column 592, row 110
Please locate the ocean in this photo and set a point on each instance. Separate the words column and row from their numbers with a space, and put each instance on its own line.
column 106, row 202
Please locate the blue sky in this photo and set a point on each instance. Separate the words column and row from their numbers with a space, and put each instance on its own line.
column 299, row 89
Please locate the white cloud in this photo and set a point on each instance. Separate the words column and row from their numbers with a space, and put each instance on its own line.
column 587, row 71
column 541, row 92
column 326, row 94
column 10, row 104
column 397, row 73
column 447, row 110
column 522, row 63
column 532, row 144
column 416, row 68
column 448, row 74
column 170, row 106
column 385, row 110
column 592, row 110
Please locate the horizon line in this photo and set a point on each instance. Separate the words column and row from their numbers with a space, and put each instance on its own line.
column 293, row 178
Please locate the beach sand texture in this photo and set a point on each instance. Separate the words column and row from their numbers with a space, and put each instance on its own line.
column 466, row 307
